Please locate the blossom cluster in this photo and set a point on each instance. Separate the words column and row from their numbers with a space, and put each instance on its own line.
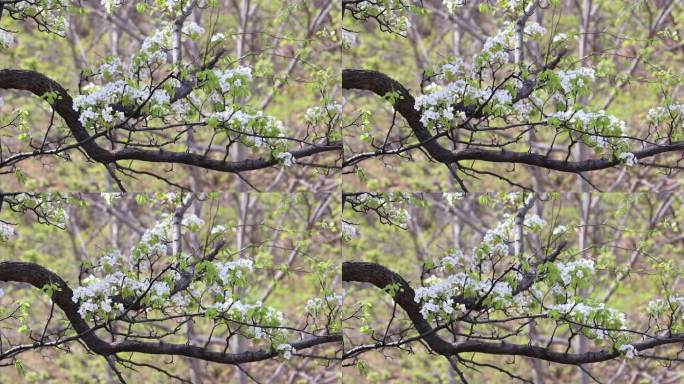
column 119, row 87
column 48, row 14
column 48, row 206
column 347, row 38
column 599, row 123
column 221, row 278
column 496, row 240
column 96, row 107
column 628, row 350
column 392, row 14
column 496, row 49
column 231, row 271
column 258, row 129
column 155, row 239
column 673, row 307
column 453, row 197
column 672, row 114
column 575, row 270
column 192, row 221
column 316, row 114
column 437, row 298
column 599, row 130
column 236, row 310
column 235, row 80
column 94, row 294
column 348, row 231
column 110, row 5
column 286, row 350
column 6, row 39
column 7, row 231
column 388, row 206
column 575, row 80
column 155, row 47
column 599, row 320
column 459, row 88
column 316, row 305
column 453, row 5
column 193, row 30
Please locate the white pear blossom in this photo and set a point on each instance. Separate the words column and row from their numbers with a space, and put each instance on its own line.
column 229, row 271
column 452, row 69
column 179, row 300
column 286, row 350
column 577, row 269
column 232, row 78
column 534, row 221
column 439, row 290
column 628, row 158
column 453, row 5
column 162, row 39
column 628, row 350
column 160, row 289
column 6, row 39
column 670, row 113
column 453, row 260
column 347, row 38
column 7, row 232
column 259, row 125
column 94, row 295
column 534, row 29
column 217, row 37
column 333, row 108
column 287, row 158
column 589, row 121
column 109, row 5
column 452, row 197
column 584, row 313
column 576, row 77
column 314, row 305
column 313, row 115
column 655, row 307
column 218, row 229
column 348, row 230
column 559, row 38
column 192, row 29
column 192, row 221
column 111, row 259
column 111, row 68
column 559, row 230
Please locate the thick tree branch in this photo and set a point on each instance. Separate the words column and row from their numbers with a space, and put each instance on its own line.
column 38, row 276
column 381, row 277
column 39, row 85
column 381, row 84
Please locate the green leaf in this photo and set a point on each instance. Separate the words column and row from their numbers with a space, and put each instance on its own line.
column 20, row 368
